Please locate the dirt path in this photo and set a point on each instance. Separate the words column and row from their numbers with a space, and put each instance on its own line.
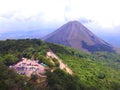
column 62, row 65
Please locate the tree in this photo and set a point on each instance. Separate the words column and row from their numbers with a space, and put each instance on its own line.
column 10, row 59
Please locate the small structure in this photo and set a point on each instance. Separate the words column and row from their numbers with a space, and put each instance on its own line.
column 28, row 67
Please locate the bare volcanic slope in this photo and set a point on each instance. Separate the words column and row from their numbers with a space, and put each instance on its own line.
column 75, row 35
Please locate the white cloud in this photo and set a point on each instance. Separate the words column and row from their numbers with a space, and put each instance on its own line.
column 105, row 12
column 24, row 14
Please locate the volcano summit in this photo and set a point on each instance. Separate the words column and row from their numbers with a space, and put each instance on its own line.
column 77, row 36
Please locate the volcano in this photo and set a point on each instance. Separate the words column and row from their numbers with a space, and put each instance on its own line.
column 77, row 36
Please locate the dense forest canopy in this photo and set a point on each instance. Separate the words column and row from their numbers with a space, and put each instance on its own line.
column 94, row 71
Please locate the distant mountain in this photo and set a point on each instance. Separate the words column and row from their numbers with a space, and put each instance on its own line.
column 75, row 35
column 21, row 34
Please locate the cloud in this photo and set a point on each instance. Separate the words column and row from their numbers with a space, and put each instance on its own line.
column 30, row 14
column 103, row 31
column 7, row 16
column 83, row 20
column 45, row 14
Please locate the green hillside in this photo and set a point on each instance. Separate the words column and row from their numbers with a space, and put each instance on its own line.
column 95, row 71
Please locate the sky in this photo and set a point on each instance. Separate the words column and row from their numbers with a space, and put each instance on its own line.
column 101, row 16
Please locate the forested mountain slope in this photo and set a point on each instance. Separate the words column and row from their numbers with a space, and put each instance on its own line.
column 95, row 71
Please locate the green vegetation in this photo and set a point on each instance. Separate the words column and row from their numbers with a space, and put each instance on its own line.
column 109, row 59
column 95, row 71
column 60, row 80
